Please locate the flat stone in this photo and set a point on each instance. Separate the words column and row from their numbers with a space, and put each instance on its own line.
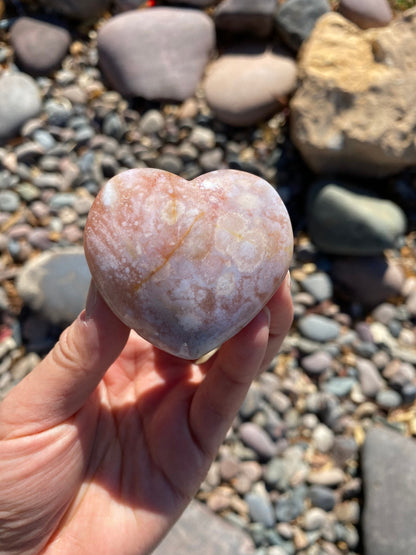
column 366, row 13
column 177, row 62
column 370, row 380
column 249, row 85
column 39, row 46
column 343, row 219
column 295, row 19
column 55, row 284
column 316, row 363
column 200, row 531
column 389, row 493
column 257, row 439
column 245, row 16
column 318, row 328
column 319, row 285
column 331, row 477
column 20, row 102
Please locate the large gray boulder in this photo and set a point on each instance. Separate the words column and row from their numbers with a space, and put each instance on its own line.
column 355, row 108
column 158, row 53
column 347, row 220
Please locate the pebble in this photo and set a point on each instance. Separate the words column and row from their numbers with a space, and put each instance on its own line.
column 256, row 438
column 316, row 363
column 260, row 506
column 388, row 399
column 323, row 438
column 319, row 285
column 370, row 380
column 331, row 478
column 322, row 497
column 9, row 201
column 318, row 328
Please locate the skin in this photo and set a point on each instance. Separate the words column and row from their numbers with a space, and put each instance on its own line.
column 107, row 440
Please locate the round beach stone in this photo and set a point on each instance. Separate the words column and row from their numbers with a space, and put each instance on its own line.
column 318, row 328
column 39, row 46
column 242, row 88
column 20, row 102
column 187, row 264
column 179, row 40
column 344, row 219
column 368, row 13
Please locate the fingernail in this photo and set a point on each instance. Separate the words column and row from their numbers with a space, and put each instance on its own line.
column 268, row 314
column 289, row 281
column 91, row 301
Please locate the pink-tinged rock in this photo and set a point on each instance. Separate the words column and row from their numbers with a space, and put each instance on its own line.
column 158, row 53
column 367, row 13
column 244, row 87
column 187, row 264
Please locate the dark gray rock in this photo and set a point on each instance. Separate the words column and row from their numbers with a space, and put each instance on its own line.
column 322, row 497
column 389, row 514
column 346, row 220
column 39, row 46
column 20, row 102
column 388, row 399
column 246, row 16
column 201, row 531
column 367, row 280
column 295, row 19
column 55, row 284
column 77, row 9
column 179, row 40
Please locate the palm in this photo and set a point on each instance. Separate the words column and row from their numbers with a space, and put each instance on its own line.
column 128, row 456
column 108, row 468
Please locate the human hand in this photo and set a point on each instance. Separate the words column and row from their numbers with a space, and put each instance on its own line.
column 106, row 441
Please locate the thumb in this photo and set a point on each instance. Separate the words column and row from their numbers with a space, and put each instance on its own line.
column 61, row 384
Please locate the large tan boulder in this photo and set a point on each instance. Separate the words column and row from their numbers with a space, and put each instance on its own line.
column 355, row 108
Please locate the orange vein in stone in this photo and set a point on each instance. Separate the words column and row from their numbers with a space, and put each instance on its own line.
column 169, row 256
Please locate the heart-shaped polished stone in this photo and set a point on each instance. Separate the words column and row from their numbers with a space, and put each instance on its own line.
column 187, row 264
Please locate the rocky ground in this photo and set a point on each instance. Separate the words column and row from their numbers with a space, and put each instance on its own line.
column 291, row 473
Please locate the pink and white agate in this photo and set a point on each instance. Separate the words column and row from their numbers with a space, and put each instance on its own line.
column 187, row 264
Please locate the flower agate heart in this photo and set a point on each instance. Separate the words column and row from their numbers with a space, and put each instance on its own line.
column 187, row 264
